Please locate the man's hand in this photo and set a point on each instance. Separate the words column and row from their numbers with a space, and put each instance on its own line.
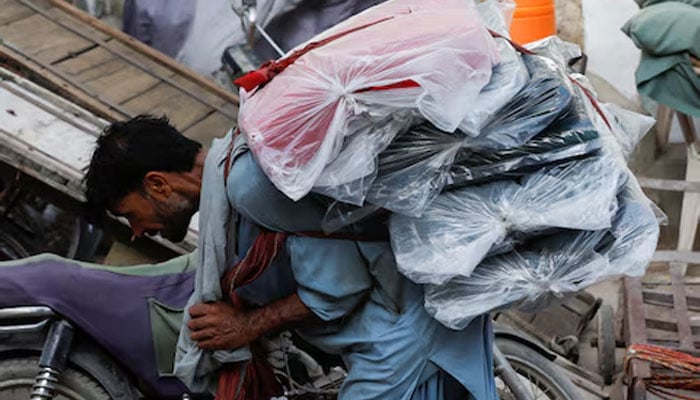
column 217, row 326
column 220, row 326
column 696, row 64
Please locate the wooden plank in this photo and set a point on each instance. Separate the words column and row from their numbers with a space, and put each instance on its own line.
column 130, row 55
column 677, row 256
column 231, row 109
column 635, row 328
column 665, row 299
column 121, row 84
column 680, row 305
column 60, row 84
column 89, row 65
column 13, row 11
column 144, row 49
column 668, row 185
column 43, row 39
column 182, row 110
column 74, row 112
column 127, row 58
column 215, row 125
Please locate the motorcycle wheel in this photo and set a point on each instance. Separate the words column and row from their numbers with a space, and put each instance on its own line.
column 17, row 376
column 11, row 248
column 543, row 379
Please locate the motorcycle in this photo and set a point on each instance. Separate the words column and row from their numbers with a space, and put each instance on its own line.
column 78, row 331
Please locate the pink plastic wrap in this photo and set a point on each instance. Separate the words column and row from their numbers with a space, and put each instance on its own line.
column 427, row 56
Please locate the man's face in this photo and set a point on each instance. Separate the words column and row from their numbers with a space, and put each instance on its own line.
column 170, row 216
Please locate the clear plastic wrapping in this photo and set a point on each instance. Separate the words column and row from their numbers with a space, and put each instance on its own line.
column 555, row 49
column 544, row 98
column 509, row 77
column 349, row 176
column 497, row 14
column 571, row 136
column 551, row 267
column 459, row 228
column 298, row 122
column 628, row 127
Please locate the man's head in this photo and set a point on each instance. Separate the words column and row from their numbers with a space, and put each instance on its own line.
column 146, row 171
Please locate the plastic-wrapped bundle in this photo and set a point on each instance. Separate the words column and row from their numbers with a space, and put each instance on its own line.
column 509, row 77
column 412, row 170
column 461, row 227
column 349, row 177
column 571, row 136
column 552, row 267
column 553, row 48
column 628, row 127
column 297, row 123
column 545, row 97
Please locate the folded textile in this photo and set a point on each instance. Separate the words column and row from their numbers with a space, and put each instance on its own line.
column 545, row 96
column 297, row 122
column 509, row 77
column 573, row 135
column 460, row 227
column 668, row 33
column 532, row 276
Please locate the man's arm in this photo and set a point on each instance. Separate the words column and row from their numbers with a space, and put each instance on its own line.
column 220, row 326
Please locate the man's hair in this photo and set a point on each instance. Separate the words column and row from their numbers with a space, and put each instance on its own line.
column 126, row 151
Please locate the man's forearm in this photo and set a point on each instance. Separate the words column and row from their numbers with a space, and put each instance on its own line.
column 278, row 314
column 219, row 325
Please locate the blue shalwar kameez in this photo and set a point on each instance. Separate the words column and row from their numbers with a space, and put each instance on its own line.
column 374, row 317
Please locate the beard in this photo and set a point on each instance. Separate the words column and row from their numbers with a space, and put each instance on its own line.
column 175, row 216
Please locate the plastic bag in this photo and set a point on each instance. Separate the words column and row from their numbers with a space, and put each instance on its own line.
column 555, row 49
column 550, row 267
column 412, row 170
column 571, row 136
column 460, row 227
column 545, row 97
column 628, row 127
column 509, row 77
column 497, row 14
column 349, row 176
column 397, row 57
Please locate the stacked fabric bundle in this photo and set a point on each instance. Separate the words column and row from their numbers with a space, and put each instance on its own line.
column 509, row 190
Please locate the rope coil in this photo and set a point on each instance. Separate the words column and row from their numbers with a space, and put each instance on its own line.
column 685, row 366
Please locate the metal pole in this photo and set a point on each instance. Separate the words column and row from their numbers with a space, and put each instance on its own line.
column 509, row 376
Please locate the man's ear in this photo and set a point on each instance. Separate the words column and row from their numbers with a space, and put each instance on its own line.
column 156, row 185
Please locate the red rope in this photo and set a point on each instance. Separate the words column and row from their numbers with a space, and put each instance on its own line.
column 522, row 49
column 686, row 366
column 272, row 68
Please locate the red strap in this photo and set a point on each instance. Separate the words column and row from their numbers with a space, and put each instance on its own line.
column 588, row 94
column 272, row 68
column 248, row 380
column 516, row 46
column 398, row 85
column 260, row 255
column 593, row 101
